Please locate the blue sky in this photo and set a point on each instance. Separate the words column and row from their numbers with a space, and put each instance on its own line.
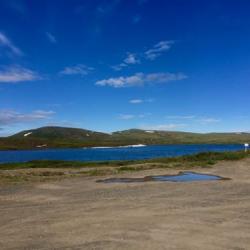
column 112, row 65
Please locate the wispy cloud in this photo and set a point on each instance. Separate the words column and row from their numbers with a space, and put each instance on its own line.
column 79, row 69
column 150, row 54
column 141, row 2
column 17, row 73
column 180, row 117
column 54, row 105
column 170, row 126
column 126, row 116
column 130, row 59
column 63, row 123
column 141, row 79
column 21, row 7
column 7, row 43
column 51, row 37
column 118, row 67
column 144, row 115
column 138, row 101
column 106, row 7
column 158, row 49
column 209, row 120
column 9, row 117
column 103, row 10
column 136, row 19
column 194, row 118
column 164, row 77
column 132, row 116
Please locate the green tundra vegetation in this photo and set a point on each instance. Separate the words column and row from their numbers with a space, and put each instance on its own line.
column 60, row 137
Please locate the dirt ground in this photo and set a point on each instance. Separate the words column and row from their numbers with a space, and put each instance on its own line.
column 78, row 213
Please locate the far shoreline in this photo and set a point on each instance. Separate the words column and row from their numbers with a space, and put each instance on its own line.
column 116, row 146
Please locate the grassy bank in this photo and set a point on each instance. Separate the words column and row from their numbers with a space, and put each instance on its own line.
column 45, row 169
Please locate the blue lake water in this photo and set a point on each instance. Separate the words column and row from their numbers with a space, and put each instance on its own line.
column 105, row 154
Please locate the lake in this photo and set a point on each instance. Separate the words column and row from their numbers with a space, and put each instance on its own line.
column 106, row 154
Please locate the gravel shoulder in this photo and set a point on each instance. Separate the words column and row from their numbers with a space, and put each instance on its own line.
column 78, row 213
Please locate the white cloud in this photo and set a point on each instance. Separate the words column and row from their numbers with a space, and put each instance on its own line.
column 136, row 101
column 79, row 69
column 140, row 79
column 51, row 38
column 17, row 73
column 8, row 117
column 6, row 42
column 158, row 49
column 171, row 126
column 131, row 59
column 122, row 81
column 150, row 54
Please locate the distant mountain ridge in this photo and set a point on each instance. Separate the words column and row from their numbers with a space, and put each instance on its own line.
column 62, row 137
column 55, row 132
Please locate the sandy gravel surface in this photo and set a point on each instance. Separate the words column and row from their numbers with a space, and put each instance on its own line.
column 79, row 213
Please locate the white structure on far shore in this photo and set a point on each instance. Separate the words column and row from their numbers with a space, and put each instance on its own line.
column 246, row 146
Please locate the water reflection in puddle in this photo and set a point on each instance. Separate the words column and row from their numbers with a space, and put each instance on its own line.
column 181, row 177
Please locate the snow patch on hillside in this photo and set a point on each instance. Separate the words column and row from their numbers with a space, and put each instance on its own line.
column 41, row 146
column 27, row 134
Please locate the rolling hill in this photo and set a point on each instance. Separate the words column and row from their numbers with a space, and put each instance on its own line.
column 61, row 137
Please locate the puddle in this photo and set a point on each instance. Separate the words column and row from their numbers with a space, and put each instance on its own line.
column 181, row 177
